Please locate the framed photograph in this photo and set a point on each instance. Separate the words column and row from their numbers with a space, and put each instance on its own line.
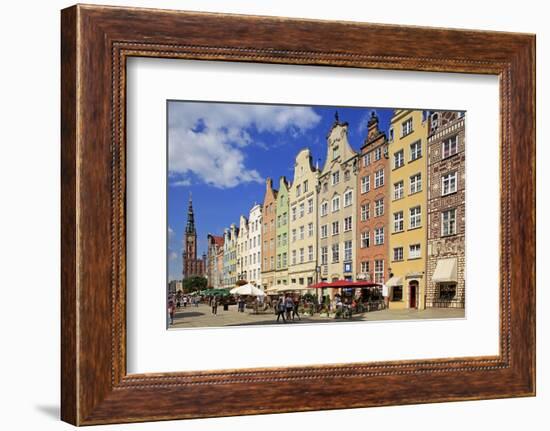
column 325, row 215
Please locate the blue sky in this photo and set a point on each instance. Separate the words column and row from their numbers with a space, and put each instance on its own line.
column 223, row 152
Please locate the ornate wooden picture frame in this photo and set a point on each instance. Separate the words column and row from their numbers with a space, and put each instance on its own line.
column 96, row 42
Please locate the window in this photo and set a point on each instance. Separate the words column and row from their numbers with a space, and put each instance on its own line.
column 293, row 213
column 398, row 222
column 335, row 253
column 310, row 253
column 309, row 281
column 379, row 207
column 324, row 209
column 379, row 271
column 324, row 231
column 302, row 206
column 447, row 291
column 378, row 153
column 335, row 152
column 365, row 184
column 366, row 160
column 335, row 203
column 416, row 183
column 365, row 212
column 379, row 236
column 365, row 239
column 415, row 219
column 398, row 159
column 347, row 224
column 293, row 257
column 416, row 150
column 284, row 260
column 310, row 206
column 335, row 178
column 302, row 255
column 335, row 227
column 449, row 147
column 284, row 219
column 305, row 186
column 324, row 255
column 298, row 189
column 279, row 240
column 348, row 198
column 325, row 186
column 398, row 190
column 365, row 266
column 293, row 235
column 397, row 293
column 414, row 251
column 278, row 261
column 346, row 176
column 448, row 183
column 347, row 250
column 391, row 134
column 302, row 232
column 284, row 238
column 407, row 127
column 278, row 221
column 448, row 222
column 398, row 253
column 379, row 178
column 310, row 230
column 434, row 122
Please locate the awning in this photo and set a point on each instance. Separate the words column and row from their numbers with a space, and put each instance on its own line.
column 394, row 281
column 445, row 271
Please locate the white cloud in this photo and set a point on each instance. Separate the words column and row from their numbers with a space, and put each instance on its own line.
column 173, row 255
column 170, row 232
column 207, row 139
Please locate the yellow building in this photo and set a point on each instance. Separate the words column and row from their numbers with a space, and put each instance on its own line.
column 408, row 209
column 302, row 196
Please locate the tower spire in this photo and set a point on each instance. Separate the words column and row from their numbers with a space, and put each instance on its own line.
column 190, row 227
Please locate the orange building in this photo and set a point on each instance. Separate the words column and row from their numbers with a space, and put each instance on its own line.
column 373, row 206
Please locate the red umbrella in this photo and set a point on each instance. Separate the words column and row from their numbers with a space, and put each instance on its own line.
column 319, row 285
column 342, row 283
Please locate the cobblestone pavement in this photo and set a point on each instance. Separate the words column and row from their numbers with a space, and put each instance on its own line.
column 201, row 316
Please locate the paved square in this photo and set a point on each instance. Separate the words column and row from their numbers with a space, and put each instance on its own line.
column 202, row 317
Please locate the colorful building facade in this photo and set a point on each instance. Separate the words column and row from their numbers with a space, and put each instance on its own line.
column 408, row 218
column 269, row 236
column 373, row 206
column 336, row 205
column 254, row 269
column 303, row 220
column 214, row 271
column 282, row 234
column 446, row 210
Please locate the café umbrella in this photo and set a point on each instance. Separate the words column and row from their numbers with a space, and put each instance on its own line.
column 247, row 289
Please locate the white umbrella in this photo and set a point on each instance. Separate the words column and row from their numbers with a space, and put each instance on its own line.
column 247, row 289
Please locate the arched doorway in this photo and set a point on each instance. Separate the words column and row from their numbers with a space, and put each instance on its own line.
column 413, row 292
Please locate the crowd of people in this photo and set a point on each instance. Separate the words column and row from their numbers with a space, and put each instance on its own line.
column 286, row 307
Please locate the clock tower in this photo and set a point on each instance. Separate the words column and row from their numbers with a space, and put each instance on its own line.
column 191, row 265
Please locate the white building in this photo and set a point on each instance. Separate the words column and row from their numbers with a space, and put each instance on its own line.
column 254, row 245
column 242, row 249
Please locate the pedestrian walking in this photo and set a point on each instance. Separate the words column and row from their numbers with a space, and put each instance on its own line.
column 295, row 310
column 214, row 304
column 171, row 311
column 289, row 306
column 280, row 309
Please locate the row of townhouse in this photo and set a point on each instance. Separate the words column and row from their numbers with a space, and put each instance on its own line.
column 392, row 212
